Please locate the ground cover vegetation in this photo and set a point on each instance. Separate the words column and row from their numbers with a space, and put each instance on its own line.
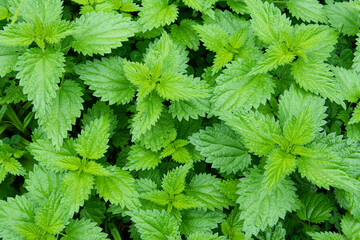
column 169, row 119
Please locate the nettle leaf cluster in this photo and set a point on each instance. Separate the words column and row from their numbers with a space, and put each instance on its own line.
column 179, row 119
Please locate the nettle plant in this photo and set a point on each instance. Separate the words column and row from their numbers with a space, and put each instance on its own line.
column 179, row 119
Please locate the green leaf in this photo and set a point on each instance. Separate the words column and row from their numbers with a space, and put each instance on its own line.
column 176, row 86
column 56, row 31
column 182, row 201
column 8, row 59
column 149, row 110
column 192, row 108
column 42, row 183
column 51, row 216
column 350, row 226
column 205, row 188
column 257, row 130
column 141, row 158
column 301, row 114
column 315, row 208
column 355, row 118
column 154, row 14
column 343, row 17
column 92, row 143
column 77, row 188
column 208, row 236
column 69, row 163
column 20, row 34
column 237, row 89
column 174, row 181
column 213, row 36
column 107, row 78
column 348, row 82
column 222, row 147
column 118, row 188
column 233, row 225
column 155, row 225
column 185, row 33
column 158, row 197
column 267, row 21
column 316, row 77
column 326, row 236
column 65, row 109
column 260, row 208
column 99, row 32
column 83, row 229
column 279, row 164
column 275, row 56
column 307, row 10
column 45, row 11
column 199, row 221
column 238, row 6
column 95, row 169
column 39, row 73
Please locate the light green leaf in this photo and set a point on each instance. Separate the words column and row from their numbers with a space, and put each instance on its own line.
column 279, row 164
column 42, row 183
column 83, row 229
column 39, row 73
column 45, row 11
column 222, row 57
column 8, row 59
column 315, row 208
column 176, row 86
column 174, row 181
column 307, row 10
column 154, row 14
column 182, row 201
column 185, row 33
column 257, row 130
column 65, row 109
column 275, row 56
column 267, row 21
column 95, row 169
column 192, row 108
column 158, row 197
column 156, row 225
column 207, row 236
column 355, row 118
column 343, row 17
column 77, row 187
column 69, row 163
column 236, row 89
column 325, row 236
column 260, row 208
column 232, row 226
column 213, row 36
column 238, row 6
column 107, row 78
column 92, row 143
column 350, row 226
column 349, row 83
column 301, row 114
column 55, row 31
column 199, row 221
column 149, row 110
column 222, row 147
column 205, row 189
column 316, row 77
column 99, row 32
column 141, row 158
column 20, row 34
column 51, row 216
column 118, row 188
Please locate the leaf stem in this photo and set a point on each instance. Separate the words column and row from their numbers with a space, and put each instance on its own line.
column 16, row 13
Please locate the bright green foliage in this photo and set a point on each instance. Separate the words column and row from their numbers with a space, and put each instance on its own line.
column 174, row 181
column 65, row 109
column 107, row 78
column 267, row 21
column 236, row 89
column 39, row 74
column 307, row 10
column 18, row 35
column 9, row 161
column 260, row 208
column 223, row 148
column 93, row 140
column 185, row 33
column 154, row 14
column 232, row 227
column 94, row 209
column 99, row 32
column 203, row 6
column 83, row 229
column 326, row 236
column 142, row 158
column 350, row 227
column 156, row 225
column 258, row 131
column 200, row 236
column 315, row 208
column 8, row 58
